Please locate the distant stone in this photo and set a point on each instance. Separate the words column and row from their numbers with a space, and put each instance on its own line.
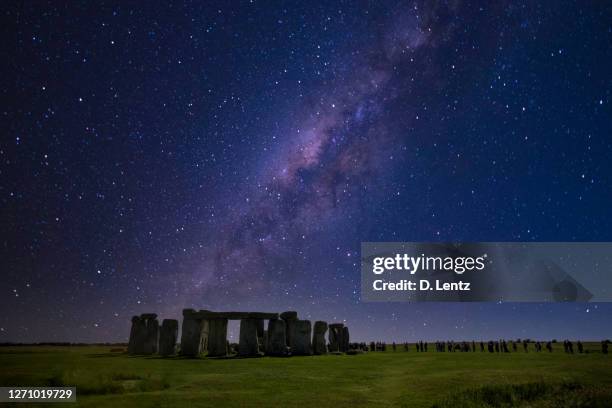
column 134, row 332
column 318, row 338
column 152, row 337
column 289, row 317
column 249, row 339
column 345, row 339
column 144, row 334
column 217, row 338
column 167, row 337
column 301, row 340
column 277, row 340
column 336, row 331
column 194, row 334
column 260, row 333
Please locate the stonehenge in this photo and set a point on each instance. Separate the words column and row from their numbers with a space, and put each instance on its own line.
column 204, row 332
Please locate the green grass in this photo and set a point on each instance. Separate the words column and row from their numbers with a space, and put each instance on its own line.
column 113, row 379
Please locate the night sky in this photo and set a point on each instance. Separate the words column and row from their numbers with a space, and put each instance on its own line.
column 233, row 156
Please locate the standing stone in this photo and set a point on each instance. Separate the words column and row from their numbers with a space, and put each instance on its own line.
column 194, row 334
column 336, row 331
column 134, row 332
column 144, row 334
column 260, row 332
column 301, row 338
column 249, row 339
column 318, row 338
column 140, row 336
column 345, row 339
column 217, row 337
column 289, row 317
column 152, row 334
column 168, row 336
column 277, row 339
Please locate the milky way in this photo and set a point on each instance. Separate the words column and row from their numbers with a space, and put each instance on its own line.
column 336, row 148
column 234, row 156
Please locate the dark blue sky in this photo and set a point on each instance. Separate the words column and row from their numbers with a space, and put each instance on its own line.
column 234, row 156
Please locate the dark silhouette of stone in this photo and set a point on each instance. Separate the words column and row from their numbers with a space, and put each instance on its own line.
column 194, row 334
column 336, row 331
column 318, row 338
column 167, row 337
column 345, row 340
column 277, row 339
column 217, row 338
column 260, row 332
column 301, row 338
column 249, row 339
column 135, row 332
column 152, row 340
column 289, row 317
column 144, row 335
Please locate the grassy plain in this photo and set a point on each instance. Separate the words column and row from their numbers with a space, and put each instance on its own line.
column 107, row 377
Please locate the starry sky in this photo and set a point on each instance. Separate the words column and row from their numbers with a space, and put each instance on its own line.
column 234, row 155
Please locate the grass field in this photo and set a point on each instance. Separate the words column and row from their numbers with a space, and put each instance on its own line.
column 406, row 379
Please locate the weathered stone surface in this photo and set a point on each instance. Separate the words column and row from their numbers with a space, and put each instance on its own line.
column 167, row 337
column 335, row 337
column 345, row 339
column 152, row 335
column 277, row 339
column 260, row 331
column 290, row 315
column 134, row 332
column 144, row 335
column 249, row 341
column 194, row 335
column 217, row 337
column 318, row 338
column 301, row 337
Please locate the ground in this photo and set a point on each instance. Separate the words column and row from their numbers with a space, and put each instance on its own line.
column 107, row 377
